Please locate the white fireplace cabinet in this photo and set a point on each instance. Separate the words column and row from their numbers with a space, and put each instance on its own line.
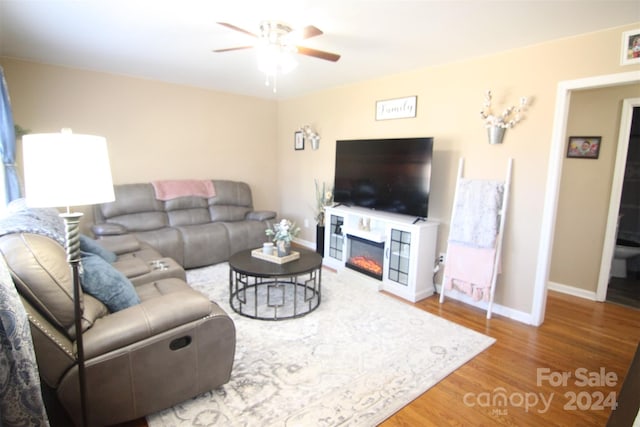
column 409, row 247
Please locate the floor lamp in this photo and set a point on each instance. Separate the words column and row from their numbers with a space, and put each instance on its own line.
column 64, row 170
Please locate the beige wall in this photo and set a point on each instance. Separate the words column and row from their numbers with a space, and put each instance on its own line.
column 449, row 100
column 154, row 130
column 585, row 188
column 158, row 130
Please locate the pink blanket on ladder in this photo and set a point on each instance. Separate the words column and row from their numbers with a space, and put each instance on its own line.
column 470, row 270
column 172, row 189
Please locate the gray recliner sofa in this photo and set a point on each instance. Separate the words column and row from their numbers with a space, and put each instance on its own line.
column 168, row 346
column 195, row 231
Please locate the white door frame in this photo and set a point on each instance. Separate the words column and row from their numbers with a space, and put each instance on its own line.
column 556, row 155
column 616, row 194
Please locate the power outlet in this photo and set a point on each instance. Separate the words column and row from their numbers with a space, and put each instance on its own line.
column 441, row 258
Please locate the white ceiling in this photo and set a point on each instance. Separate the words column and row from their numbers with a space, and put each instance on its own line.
column 172, row 40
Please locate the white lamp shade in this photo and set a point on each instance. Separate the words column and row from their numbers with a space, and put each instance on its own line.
column 66, row 169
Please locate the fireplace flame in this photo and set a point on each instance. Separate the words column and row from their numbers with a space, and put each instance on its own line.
column 366, row 264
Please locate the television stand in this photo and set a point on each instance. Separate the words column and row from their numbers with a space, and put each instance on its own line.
column 409, row 247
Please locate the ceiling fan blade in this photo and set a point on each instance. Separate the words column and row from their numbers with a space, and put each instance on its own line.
column 310, row 31
column 318, row 53
column 233, row 27
column 233, row 48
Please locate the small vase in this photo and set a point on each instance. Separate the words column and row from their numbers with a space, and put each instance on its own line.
column 496, row 134
column 315, row 142
column 320, row 239
column 284, row 248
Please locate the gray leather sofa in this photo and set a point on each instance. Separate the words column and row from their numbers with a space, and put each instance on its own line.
column 172, row 346
column 194, row 231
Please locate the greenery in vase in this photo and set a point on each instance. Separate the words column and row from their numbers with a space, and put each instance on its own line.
column 324, row 197
column 20, row 131
column 284, row 230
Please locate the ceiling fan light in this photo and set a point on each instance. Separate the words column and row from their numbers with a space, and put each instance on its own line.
column 267, row 59
column 273, row 59
column 287, row 62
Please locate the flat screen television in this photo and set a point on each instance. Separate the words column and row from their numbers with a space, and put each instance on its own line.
column 392, row 175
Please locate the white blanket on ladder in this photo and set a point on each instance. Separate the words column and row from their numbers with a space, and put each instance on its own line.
column 476, row 219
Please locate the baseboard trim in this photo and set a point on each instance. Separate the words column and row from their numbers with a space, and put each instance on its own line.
column 306, row 243
column 572, row 290
column 511, row 313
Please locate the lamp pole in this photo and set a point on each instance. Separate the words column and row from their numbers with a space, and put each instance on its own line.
column 72, row 238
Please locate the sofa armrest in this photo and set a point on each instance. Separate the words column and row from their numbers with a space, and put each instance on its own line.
column 132, row 267
column 119, row 245
column 108, row 229
column 260, row 215
column 145, row 320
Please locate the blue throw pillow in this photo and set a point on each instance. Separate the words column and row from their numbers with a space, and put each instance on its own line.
column 87, row 244
column 101, row 280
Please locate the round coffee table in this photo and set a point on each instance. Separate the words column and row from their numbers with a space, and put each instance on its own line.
column 265, row 290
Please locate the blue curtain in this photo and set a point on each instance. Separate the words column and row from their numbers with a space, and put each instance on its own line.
column 8, row 144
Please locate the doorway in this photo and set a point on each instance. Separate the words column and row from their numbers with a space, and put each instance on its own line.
column 556, row 155
column 623, row 286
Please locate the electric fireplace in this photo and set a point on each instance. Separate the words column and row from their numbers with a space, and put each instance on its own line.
column 365, row 256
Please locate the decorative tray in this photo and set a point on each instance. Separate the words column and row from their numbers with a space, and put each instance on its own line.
column 257, row 253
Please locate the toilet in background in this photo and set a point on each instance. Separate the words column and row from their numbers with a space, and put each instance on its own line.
column 625, row 250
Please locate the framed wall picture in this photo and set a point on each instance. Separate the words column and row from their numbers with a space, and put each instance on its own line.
column 630, row 53
column 298, row 140
column 584, row 147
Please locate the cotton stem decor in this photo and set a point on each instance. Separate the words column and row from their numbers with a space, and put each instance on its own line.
column 498, row 124
column 312, row 136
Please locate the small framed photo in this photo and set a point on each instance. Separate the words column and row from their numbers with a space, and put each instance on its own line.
column 298, row 140
column 584, row 147
column 630, row 53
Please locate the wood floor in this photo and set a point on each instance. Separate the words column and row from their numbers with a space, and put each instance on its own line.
column 592, row 342
column 579, row 337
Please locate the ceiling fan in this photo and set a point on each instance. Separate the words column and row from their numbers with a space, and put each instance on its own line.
column 282, row 36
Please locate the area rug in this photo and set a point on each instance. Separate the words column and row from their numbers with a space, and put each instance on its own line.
column 354, row 361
